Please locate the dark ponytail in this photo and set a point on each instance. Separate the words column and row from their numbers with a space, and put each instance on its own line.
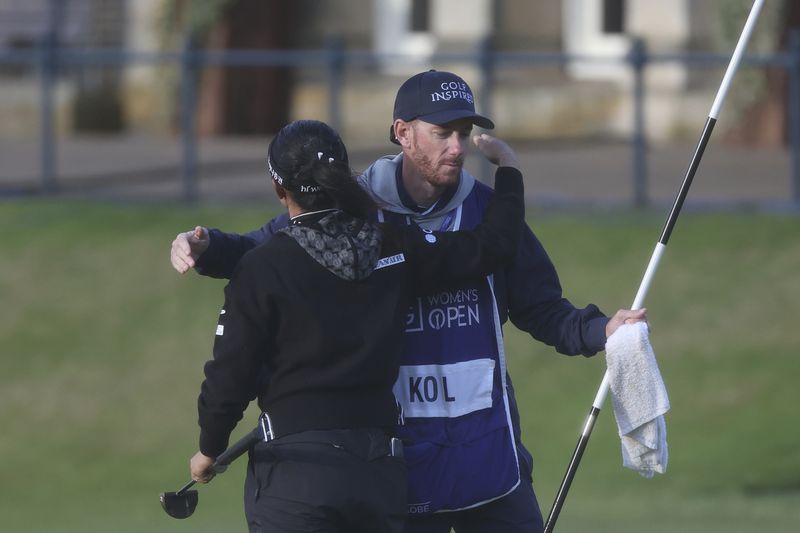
column 309, row 159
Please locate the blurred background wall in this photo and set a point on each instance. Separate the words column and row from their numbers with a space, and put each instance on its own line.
column 216, row 70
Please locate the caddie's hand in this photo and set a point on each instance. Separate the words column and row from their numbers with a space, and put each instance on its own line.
column 187, row 247
column 496, row 151
column 200, row 466
column 625, row 316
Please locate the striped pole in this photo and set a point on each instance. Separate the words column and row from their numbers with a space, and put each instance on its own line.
column 644, row 286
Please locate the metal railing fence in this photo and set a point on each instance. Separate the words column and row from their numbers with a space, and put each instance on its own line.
column 47, row 58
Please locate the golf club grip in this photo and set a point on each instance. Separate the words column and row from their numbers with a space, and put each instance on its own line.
column 237, row 449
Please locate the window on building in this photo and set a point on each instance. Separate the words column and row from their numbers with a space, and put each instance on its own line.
column 595, row 27
column 614, row 16
column 420, row 15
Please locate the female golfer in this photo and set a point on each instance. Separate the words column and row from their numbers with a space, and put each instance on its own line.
column 311, row 327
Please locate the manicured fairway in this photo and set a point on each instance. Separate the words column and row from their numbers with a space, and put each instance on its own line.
column 103, row 346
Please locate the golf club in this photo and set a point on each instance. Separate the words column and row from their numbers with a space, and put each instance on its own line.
column 657, row 253
column 182, row 503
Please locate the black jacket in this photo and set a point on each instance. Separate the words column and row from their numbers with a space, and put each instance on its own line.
column 313, row 319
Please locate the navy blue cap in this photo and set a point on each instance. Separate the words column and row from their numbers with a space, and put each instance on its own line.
column 436, row 97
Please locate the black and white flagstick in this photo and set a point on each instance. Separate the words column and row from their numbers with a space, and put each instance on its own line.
column 638, row 302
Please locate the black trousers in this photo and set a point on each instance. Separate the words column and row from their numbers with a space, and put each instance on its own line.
column 332, row 481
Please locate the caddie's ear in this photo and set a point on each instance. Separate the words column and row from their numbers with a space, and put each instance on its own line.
column 403, row 132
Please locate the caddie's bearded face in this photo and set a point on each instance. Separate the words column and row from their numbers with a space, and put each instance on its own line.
column 437, row 150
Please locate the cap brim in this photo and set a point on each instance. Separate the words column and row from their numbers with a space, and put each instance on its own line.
column 449, row 116
column 444, row 117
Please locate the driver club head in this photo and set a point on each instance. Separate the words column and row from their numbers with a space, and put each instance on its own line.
column 179, row 505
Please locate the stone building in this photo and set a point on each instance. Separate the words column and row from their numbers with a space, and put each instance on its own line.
column 531, row 97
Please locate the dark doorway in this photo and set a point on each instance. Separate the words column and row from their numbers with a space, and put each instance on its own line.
column 249, row 100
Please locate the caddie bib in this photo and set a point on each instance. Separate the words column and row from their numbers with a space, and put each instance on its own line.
column 457, row 432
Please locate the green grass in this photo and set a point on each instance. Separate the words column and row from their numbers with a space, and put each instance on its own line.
column 103, row 345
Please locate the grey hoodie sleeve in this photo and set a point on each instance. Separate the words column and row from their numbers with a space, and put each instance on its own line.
column 444, row 259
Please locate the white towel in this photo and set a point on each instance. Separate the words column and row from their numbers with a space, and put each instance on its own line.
column 639, row 399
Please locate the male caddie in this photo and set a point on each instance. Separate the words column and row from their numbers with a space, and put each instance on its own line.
column 468, row 469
